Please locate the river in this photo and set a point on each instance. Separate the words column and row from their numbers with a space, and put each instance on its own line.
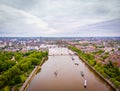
column 62, row 73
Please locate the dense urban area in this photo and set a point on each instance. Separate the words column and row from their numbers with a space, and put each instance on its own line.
column 19, row 56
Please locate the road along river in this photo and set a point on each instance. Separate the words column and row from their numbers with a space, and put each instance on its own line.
column 65, row 72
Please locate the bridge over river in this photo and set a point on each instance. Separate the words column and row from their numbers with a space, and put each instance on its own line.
column 63, row 73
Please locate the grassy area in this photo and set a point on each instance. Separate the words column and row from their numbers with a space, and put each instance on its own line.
column 6, row 88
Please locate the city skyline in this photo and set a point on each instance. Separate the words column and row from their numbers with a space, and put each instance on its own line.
column 57, row 18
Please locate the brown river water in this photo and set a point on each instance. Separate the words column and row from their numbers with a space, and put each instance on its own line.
column 62, row 73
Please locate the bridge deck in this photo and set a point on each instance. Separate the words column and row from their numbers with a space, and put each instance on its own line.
column 61, row 54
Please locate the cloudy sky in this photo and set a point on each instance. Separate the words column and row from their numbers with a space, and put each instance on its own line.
column 59, row 18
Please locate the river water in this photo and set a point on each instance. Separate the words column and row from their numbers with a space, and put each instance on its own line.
column 62, row 73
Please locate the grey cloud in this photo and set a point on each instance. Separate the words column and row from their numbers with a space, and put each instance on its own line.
column 20, row 4
column 58, row 17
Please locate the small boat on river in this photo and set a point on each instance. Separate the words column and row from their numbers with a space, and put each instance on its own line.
column 76, row 64
column 85, row 83
column 82, row 74
column 73, row 58
column 55, row 73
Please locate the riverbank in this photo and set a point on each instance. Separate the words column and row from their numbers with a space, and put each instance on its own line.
column 31, row 76
column 100, row 75
column 106, row 80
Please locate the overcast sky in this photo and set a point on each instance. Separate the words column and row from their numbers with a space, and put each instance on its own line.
column 59, row 18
